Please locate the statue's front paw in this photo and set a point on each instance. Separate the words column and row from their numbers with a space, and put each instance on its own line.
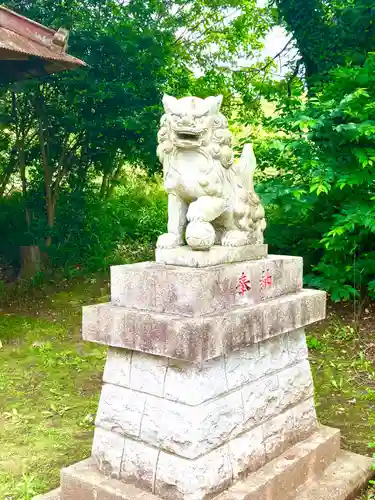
column 169, row 240
column 194, row 213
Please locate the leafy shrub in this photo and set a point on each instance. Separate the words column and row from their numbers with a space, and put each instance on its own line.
column 89, row 232
column 320, row 201
column 13, row 229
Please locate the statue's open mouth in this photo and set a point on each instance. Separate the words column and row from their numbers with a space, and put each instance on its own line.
column 188, row 135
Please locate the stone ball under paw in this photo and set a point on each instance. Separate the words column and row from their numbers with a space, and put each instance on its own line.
column 200, row 235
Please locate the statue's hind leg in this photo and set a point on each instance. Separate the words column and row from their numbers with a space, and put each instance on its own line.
column 236, row 238
column 230, row 234
column 233, row 236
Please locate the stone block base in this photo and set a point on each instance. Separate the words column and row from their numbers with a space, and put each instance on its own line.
column 195, row 429
column 313, row 469
column 185, row 256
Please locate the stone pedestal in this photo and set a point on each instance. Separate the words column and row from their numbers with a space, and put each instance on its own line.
column 208, row 390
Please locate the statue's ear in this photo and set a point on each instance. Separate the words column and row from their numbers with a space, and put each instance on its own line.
column 214, row 103
column 169, row 103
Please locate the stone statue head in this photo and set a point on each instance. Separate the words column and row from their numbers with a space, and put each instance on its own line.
column 191, row 122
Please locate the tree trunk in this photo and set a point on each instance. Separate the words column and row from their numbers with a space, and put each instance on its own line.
column 305, row 19
column 22, row 168
column 4, row 182
column 104, row 186
column 43, row 141
column 31, row 261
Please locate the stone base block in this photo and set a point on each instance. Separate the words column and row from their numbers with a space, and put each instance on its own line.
column 201, row 338
column 193, row 429
column 184, row 291
column 314, row 469
column 52, row 495
column 185, row 256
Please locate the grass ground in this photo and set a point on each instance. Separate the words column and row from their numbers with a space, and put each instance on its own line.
column 49, row 386
column 50, row 382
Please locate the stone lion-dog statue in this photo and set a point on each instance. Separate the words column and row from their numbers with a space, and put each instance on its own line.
column 211, row 198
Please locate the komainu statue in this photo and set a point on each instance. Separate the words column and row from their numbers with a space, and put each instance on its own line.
column 211, row 198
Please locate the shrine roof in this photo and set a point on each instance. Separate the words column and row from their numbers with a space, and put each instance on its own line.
column 29, row 49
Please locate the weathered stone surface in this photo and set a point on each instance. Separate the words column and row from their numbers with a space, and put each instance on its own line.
column 254, row 362
column 191, row 431
column 201, row 338
column 120, row 410
column 212, row 424
column 139, row 464
column 194, row 409
column 173, row 427
column 270, row 396
column 342, row 480
column 147, row 373
column 305, row 419
column 273, row 354
column 296, row 383
column 190, row 292
column 247, row 452
column 83, row 481
column 107, row 450
column 186, row 257
column 278, row 434
column 288, row 428
column 193, row 384
column 297, row 346
column 243, row 366
column 170, row 426
column 52, row 495
column 193, row 479
column 117, row 367
column 279, row 479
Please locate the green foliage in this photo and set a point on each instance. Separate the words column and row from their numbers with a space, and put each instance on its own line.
column 63, row 133
column 328, row 34
column 313, row 343
column 90, row 233
column 322, row 195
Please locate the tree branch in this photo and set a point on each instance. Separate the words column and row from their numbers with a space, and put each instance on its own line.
column 268, row 64
column 293, row 76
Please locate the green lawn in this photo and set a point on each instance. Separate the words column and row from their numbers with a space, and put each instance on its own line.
column 50, row 383
column 49, row 386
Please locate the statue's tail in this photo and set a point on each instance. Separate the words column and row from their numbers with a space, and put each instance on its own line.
column 246, row 167
column 249, row 208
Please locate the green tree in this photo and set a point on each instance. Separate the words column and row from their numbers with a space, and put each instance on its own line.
column 67, row 129
column 321, row 199
column 328, row 33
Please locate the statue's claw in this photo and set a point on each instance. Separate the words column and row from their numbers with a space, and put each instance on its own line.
column 169, row 240
column 235, row 238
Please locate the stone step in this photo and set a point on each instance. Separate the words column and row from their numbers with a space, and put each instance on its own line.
column 278, row 480
column 342, row 480
column 281, row 478
column 52, row 495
